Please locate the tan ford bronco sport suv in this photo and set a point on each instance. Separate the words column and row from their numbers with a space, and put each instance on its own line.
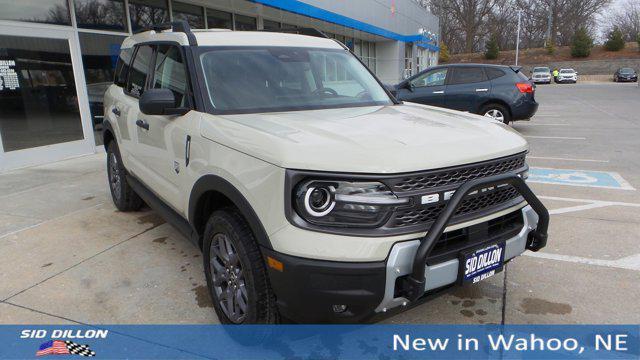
column 313, row 193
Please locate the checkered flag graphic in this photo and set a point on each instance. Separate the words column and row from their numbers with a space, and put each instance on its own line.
column 78, row 349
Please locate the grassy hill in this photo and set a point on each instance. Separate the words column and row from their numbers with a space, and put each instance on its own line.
column 539, row 55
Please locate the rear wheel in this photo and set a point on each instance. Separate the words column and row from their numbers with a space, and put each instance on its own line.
column 235, row 271
column 123, row 195
column 496, row 112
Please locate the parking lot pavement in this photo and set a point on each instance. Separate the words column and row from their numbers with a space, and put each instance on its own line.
column 67, row 255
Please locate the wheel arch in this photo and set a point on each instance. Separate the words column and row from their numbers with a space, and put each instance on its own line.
column 212, row 192
column 495, row 101
column 107, row 134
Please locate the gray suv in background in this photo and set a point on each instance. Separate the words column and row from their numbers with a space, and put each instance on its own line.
column 500, row 92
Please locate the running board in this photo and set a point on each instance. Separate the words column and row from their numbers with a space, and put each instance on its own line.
column 166, row 212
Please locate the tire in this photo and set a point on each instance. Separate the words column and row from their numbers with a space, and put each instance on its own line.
column 496, row 112
column 122, row 194
column 235, row 271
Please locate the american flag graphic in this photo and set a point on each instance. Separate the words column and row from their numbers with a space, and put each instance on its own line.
column 61, row 347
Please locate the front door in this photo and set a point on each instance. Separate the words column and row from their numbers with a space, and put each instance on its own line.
column 44, row 114
column 427, row 88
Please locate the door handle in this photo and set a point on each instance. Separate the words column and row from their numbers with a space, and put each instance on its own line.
column 115, row 111
column 187, row 151
column 439, row 92
column 143, row 124
column 482, row 90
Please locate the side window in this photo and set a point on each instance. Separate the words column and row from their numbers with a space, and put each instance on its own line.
column 139, row 70
column 430, row 78
column 122, row 67
column 467, row 75
column 494, row 73
column 170, row 73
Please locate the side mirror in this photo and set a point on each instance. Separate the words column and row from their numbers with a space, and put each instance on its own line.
column 409, row 86
column 160, row 102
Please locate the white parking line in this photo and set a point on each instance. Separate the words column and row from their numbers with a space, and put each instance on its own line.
column 589, row 204
column 608, row 203
column 555, row 137
column 629, row 263
column 542, row 124
column 566, row 159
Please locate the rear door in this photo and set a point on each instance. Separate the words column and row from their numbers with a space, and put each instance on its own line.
column 467, row 88
column 130, row 110
column 427, row 88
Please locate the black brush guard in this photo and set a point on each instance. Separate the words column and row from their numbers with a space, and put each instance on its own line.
column 412, row 286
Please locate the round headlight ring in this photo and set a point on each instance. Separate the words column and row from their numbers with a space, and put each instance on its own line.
column 326, row 205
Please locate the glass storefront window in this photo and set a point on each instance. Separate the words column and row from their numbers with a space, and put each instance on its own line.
column 217, row 19
column 99, row 58
column 144, row 13
column 38, row 98
column 192, row 14
column 270, row 25
column 41, row 11
column 100, row 14
column 246, row 23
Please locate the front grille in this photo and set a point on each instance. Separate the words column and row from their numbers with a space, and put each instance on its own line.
column 456, row 175
column 469, row 207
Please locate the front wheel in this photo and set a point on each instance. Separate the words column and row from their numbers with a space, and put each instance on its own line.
column 496, row 112
column 235, row 271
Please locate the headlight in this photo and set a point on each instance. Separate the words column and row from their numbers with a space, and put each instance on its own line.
column 345, row 203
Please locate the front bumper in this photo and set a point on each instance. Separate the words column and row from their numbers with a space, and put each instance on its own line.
column 539, row 80
column 307, row 289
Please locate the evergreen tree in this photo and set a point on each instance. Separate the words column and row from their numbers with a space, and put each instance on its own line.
column 581, row 44
column 493, row 50
column 444, row 53
column 615, row 40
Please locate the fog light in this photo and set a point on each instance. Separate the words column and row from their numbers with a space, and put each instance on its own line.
column 339, row 308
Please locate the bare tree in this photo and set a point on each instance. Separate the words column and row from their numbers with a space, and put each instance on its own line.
column 626, row 17
column 467, row 24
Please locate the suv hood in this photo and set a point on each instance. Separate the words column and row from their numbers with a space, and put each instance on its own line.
column 376, row 139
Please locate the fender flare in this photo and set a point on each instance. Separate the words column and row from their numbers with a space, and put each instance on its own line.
column 107, row 127
column 216, row 183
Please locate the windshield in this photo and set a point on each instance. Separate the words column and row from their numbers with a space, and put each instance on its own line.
column 541, row 69
column 626, row 71
column 255, row 79
column 567, row 71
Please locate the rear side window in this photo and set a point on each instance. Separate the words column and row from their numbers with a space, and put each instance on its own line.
column 170, row 73
column 467, row 75
column 139, row 70
column 493, row 73
column 122, row 67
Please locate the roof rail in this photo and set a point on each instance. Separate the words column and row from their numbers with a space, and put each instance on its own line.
column 175, row 26
column 300, row 31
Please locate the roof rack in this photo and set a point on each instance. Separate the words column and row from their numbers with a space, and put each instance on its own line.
column 300, row 31
column 175, row 26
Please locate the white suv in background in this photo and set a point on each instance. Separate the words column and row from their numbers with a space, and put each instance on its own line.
column 313, row 193
column 567, row 75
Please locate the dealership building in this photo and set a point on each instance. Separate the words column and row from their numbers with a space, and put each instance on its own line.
column 58, row 56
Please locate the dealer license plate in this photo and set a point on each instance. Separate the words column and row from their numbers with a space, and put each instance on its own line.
column 481, row 263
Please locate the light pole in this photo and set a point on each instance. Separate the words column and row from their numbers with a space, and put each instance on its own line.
column 518, row 37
